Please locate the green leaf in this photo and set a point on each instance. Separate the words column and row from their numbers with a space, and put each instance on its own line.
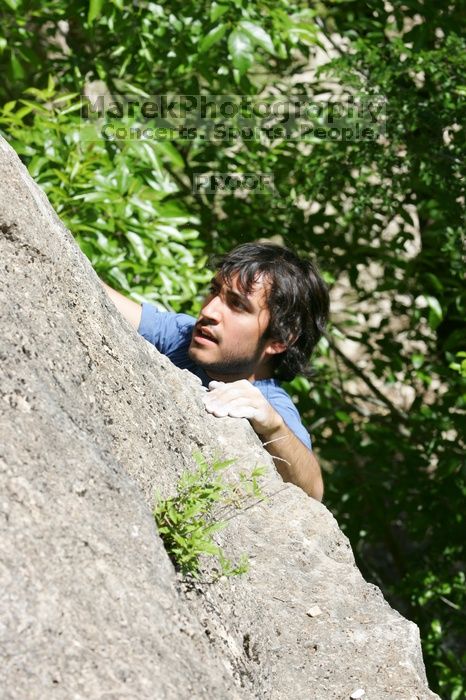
column 434, row 280
column 168, row 149
column 418, row 360
column 435, row 312
column 71, row 108
column 12, row 4
column 16, row 68
column 259, row 36
column 123, row 86
column 138, row 246
column 217, row 11
column 120, row 278
column 207, row 547
column 9, row 107
column 343, row 416
column 241, row 50
column 304, row 33
column 95, row 9
column 213, row 37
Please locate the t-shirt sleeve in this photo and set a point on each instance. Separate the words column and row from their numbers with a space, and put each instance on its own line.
column 286, row 408
column 164, row 329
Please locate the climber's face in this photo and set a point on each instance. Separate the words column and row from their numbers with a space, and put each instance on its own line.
column 229, row 339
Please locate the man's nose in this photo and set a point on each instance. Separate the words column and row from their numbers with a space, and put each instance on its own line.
column 213, row 309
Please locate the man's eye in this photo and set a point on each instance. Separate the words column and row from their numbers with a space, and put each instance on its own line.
column 237, row 303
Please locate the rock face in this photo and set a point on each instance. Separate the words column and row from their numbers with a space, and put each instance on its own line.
column 93, row 420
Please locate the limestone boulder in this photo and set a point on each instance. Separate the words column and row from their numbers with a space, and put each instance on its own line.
column 93, row 422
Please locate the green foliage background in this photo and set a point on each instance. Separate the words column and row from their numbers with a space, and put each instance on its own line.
column 384, row 217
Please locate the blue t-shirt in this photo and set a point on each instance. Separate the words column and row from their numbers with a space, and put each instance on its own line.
column 171, row 335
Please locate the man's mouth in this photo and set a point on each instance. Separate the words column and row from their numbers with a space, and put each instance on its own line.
column 203, row 335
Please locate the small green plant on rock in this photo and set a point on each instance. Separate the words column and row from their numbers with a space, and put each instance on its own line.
column 205, row 501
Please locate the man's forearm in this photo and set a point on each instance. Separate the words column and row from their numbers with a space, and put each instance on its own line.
column 294, row 461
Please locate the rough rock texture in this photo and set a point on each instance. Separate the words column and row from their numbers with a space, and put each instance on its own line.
column 93, row 420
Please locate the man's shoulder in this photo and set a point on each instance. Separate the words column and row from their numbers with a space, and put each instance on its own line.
column 184, row 322
column 272, row 389
column 166, row 330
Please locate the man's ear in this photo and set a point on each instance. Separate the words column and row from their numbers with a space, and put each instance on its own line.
column 276, row 347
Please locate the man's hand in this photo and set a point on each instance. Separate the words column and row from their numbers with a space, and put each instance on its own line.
column 294, row 461
column 242, row 399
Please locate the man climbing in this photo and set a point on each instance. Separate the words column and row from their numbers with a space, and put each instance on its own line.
column 264, row 314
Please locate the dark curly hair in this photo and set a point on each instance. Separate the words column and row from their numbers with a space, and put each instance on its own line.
column 298, row 299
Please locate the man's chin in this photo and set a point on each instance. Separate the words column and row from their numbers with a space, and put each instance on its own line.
column 198, row 355
column 224, row 371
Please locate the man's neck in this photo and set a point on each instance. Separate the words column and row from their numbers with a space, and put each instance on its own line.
column 259, row 375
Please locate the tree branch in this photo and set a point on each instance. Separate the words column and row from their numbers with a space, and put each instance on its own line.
column 394, row 410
